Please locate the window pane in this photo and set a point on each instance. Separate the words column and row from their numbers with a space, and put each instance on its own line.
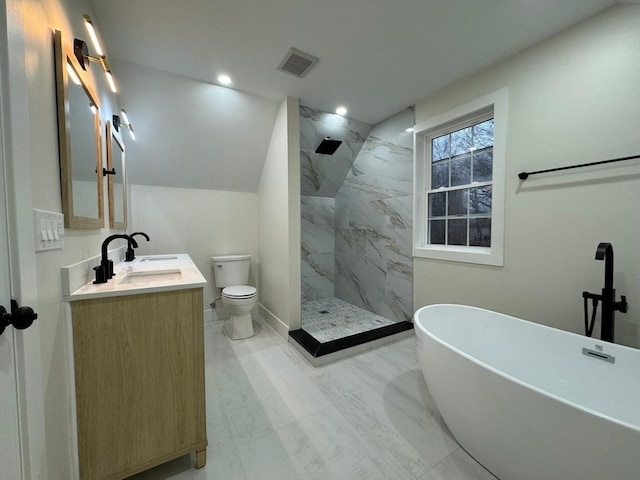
column 480, row 200
column 483, row 166
column 461, row 171
column 461, row 141
column 436, row 232
column 457, row 232
column 483, row 134
column 459, row 209
column 440, row 175
column 437, row 204
column 480, row 232
column 458, row 202
column 440, row 148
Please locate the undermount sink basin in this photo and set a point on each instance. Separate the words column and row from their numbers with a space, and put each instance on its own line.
column 152, row 276
column 155, row 259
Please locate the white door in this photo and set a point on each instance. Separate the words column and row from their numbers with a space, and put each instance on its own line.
column 10, row 461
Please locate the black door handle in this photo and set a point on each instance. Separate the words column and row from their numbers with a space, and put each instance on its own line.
column 20, row 317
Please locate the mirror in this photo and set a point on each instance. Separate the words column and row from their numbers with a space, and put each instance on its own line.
column 117, row 174
column 78, row 142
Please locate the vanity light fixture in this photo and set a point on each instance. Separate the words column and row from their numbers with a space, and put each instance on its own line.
column 124, row 122
column 88, row 23
column 110, row 81
column 82, row 52
column 127, row 123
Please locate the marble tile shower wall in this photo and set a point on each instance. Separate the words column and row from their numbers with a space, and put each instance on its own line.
column 322, row 175
column 320, row 178
column 356, row 209
column 318, row 247
column 373, row 223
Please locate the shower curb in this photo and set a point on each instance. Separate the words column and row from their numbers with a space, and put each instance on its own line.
column 319, row 353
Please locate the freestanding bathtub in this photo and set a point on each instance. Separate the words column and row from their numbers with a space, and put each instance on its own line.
column 531, row 402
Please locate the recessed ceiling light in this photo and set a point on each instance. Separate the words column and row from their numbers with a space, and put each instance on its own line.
column 341, row 111
column 224, row 80
column 410, row 130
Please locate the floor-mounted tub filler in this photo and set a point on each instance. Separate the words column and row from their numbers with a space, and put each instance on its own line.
column 529, row 401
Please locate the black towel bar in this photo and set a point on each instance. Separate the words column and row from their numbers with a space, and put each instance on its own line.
column 525, row 175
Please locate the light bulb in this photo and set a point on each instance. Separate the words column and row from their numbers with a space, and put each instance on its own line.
column 224, row 80
column 92, row 34
column 112, row 84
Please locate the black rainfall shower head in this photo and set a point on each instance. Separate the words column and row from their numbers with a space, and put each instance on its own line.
column 328, row 146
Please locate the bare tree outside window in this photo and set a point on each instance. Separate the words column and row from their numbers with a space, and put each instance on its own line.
column 459, row 200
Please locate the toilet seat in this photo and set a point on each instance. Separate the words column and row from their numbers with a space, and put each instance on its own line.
column 239, row 291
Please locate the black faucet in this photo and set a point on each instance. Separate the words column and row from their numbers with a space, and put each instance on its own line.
column 105, row 270
column 130, row 255
column 609, row 304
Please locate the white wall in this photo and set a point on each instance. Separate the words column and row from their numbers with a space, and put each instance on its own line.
column 219, row 134
column 199, row 222
column 279, row 223
column 572, row 99
column 34, row 183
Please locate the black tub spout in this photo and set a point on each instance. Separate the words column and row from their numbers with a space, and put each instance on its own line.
column 605, row 252
column 609, row 303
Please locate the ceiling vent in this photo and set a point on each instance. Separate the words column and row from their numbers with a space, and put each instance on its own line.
column 297, row 63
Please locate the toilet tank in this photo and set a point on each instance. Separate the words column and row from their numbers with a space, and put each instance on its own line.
column 230, row 270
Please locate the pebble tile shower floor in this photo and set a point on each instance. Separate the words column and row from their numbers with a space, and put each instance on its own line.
column 271, row 415
column 331, row 318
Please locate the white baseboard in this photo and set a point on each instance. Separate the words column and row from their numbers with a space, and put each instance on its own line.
column 275, row 323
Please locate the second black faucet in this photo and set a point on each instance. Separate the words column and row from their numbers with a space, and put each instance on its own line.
column 130, row 255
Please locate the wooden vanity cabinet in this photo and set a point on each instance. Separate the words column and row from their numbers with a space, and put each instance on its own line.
column 139, row 378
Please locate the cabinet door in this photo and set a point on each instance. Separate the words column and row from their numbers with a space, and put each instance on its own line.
column 139, row 370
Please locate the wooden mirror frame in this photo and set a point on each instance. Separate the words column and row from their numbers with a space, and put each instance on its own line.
column 63, row 56
column 113, row 136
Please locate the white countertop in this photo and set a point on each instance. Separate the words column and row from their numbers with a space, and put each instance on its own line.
column 146, row 274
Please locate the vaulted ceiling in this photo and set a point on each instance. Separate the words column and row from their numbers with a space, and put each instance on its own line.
column 376, row 58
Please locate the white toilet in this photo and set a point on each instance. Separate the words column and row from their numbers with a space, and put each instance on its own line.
column 232, row 275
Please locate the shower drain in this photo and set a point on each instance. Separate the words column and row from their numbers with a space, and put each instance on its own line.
column 323, row 311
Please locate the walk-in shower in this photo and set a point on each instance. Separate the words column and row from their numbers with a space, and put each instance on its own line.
column 356, row 208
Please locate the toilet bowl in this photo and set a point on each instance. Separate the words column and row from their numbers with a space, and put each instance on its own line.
column 239, row 301
column 232, row 275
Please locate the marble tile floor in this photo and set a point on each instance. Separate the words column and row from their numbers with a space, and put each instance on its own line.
column 331, row 318
column 271, row 415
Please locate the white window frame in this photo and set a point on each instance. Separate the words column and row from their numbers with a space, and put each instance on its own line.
column 496, row 103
